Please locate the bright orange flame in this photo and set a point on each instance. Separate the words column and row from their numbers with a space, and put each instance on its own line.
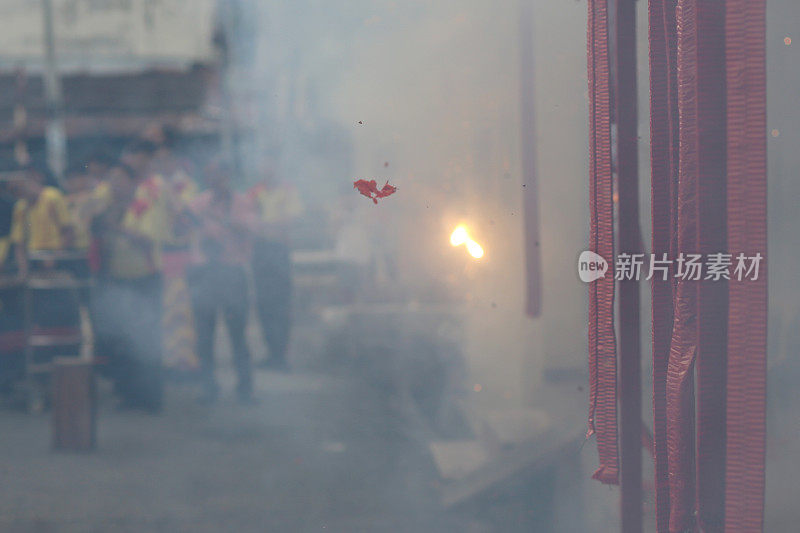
column 474, row 249
column 461, row 236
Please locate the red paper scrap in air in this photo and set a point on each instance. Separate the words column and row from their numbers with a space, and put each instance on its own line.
column 371, row 191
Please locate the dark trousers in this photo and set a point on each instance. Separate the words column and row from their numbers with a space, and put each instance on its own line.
column 221, row 287
column 272, row 276
column 126, row 316
column 12, row 336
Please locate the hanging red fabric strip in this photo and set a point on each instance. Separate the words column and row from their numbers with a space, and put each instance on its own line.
column 623, row 26
column 602, row 343
column 712, row 292
column 747, row 233
column 664, row 169
column 683, row 346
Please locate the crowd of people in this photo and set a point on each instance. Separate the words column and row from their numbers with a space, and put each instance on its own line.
column 168, row 250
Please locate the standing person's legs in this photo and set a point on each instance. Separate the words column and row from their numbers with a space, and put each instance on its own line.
column 204, row 309
column 277, row 319
column 124, row 307
column 273, row 287
column 12, row 336
column 105, row 305
column 152, row 365
column 142, row 386
column 235, row 311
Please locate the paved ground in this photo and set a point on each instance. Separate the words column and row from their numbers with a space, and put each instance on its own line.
column 317, row 454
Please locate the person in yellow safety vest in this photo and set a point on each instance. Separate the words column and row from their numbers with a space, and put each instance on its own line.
column 82, row 203
column 41, row 219
column 41, row 222
column 7, row 202
column 218, row 277
column 128, row 302
column 277, row 206
column 12, row 335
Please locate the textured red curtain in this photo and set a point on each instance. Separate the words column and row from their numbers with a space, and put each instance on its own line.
column 745, row 31
column 708, row 194
column 664, row 211
column 602, row 342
